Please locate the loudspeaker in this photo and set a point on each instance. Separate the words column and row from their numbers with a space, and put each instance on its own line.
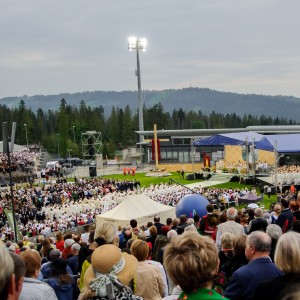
column 93, row 171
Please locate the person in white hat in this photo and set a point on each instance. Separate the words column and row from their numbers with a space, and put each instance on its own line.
column 109, row 275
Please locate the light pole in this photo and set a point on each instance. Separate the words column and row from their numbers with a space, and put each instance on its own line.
column 138, row 44
column 74, row 133
column 57, row 135
column 25, row 125
column 69, row 150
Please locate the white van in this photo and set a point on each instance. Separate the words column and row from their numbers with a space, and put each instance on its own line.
column 52, row 165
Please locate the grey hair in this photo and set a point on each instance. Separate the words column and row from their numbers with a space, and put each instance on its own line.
column 258, row 212
column 7, row 268
column 260, row 240
column 231, row 213
column 274, row 231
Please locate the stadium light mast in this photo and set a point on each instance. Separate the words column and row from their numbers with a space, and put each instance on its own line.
column 138, row 44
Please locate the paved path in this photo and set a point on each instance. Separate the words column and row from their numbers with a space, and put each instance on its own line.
column 216, row 179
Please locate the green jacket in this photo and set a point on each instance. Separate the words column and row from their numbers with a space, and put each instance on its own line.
column 201, row 294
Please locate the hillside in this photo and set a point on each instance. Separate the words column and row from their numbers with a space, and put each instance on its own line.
column 188, row 99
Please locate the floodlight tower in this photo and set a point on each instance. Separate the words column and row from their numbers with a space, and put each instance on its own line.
column 138, row 44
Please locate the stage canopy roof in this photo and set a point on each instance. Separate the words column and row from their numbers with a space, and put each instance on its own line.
column 286, row 143
column 237, row 138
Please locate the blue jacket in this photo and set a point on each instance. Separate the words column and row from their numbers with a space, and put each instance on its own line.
column 245, row 280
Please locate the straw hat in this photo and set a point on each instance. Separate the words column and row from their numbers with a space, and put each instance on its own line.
column 105, row 257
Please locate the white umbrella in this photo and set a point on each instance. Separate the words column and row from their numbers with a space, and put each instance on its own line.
column 253, row 205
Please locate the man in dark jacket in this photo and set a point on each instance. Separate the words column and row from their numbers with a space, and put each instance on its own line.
column 259, row 223
column 286, row 217
column 260, row 268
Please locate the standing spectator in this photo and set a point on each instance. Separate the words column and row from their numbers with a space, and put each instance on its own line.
column 275, row 232
column 157, row 224
column 8, row 289
column 32, row 287
column 152, row 237
column 73, row 260
column 209, row 222
column 160, row 242
column 286, row 218
column 226, row 251
column 197, row 254
column 149, row 280
column 287, row 259
column 109, row 275
column 269, row 191
column 294, row 207
column 245, row 280
column 60, row 242
column 67, row 248
column 60, row 280
column 229, row 226
column 85, row 236
column 232, row 264
column 182, row 224
column 259, row 223
column 275, row 213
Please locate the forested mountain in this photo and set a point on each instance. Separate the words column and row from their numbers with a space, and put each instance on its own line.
column 189, row 99
column 60, row 131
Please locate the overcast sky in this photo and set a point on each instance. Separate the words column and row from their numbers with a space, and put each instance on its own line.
column 244, row 46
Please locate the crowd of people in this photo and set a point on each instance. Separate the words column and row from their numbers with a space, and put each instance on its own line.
column 233, row 254
column 225, row 254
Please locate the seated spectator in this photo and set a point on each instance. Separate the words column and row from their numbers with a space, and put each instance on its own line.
column 245, row 280
column 149, row 279
column 32, row 287
column 109, row 275
column 8, row 288
column 197, row 254
column 287, row 258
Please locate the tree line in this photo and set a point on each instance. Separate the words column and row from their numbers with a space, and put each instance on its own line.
column 63, row 127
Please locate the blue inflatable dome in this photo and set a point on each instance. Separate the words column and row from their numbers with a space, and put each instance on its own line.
column 192, row 204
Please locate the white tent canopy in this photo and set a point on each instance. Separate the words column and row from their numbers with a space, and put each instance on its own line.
column 139, row 207
column 17, row 148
